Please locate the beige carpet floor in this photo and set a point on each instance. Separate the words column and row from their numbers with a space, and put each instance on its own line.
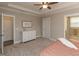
column 31, row 48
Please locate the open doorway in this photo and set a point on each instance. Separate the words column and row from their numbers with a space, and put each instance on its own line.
column 8, row 29
column 72, row 27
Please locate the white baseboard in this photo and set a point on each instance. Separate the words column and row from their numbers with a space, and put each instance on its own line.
column 16, row 42
column 38, row 36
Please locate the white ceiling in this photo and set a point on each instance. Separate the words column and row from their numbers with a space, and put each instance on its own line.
column 29, row 6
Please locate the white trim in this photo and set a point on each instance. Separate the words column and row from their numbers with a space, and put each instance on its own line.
column 2, row 36
column 13, row 10
column 40, row 14
column 74, row 14
column 60, row 10
column 21, row 8
column 38, row 36
column 16, row 42
column 13, row 25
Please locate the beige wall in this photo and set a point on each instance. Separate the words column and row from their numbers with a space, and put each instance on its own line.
column 36, row 25
column 19, row 18
column 57, row 26
column 58, row 22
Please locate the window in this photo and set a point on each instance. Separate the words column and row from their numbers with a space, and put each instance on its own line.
column 74, row 22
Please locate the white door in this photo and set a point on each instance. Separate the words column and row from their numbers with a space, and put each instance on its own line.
column 47, row 27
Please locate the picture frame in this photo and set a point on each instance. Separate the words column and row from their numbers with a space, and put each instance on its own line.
column 27, row 24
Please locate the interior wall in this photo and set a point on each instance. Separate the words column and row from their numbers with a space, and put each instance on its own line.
column 58, row 22
column 36, row 25
column 57, row 26
column 19, row 18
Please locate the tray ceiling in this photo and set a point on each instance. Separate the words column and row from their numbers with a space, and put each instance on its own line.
column 29, row 6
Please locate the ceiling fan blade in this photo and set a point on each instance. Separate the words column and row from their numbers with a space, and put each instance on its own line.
column 47, row 3
column 50, row 3
column 42, row 2
column 37, row 4
column 49, row 7
column 41, row 7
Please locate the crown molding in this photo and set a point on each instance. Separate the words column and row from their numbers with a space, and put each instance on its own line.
column 18, row 11
column 74, row 6
column 17, row 8
column 23, row 9
column 61, row 6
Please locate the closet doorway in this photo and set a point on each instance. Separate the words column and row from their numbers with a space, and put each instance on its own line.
column 8, row 29
column 46, row 28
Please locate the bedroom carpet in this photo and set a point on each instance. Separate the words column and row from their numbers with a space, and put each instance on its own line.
column 31, row 48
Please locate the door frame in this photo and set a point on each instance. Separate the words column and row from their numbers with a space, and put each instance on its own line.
column 2, row 47
column 3, row 14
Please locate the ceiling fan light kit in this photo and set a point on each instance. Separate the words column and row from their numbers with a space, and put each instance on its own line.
column 45, row 5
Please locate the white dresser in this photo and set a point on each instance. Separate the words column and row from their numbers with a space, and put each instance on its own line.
column 29, row 35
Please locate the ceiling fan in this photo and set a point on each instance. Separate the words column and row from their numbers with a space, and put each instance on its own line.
column 45, row 4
